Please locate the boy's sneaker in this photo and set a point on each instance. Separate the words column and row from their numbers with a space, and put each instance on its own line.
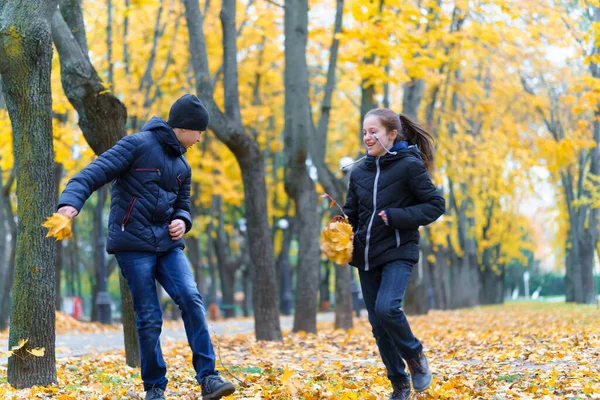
column 215, row 387
column 401, row 391
column 155, row 394
column 419, row 372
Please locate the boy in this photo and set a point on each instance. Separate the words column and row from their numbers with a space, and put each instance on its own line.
column 149, row 214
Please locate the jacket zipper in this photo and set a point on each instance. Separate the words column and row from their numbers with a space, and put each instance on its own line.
column 149, row 170
column 372, row 216
column 397, row 238
column 128, row 213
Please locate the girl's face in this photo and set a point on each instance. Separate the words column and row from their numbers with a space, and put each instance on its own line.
column 372, row 126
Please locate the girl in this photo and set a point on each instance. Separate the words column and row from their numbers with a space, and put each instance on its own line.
column 389, row 197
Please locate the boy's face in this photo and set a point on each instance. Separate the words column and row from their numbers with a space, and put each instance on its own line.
column 187, row 138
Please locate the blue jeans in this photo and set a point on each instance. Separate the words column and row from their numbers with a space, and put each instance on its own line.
column 171, row 269
column 383, row 291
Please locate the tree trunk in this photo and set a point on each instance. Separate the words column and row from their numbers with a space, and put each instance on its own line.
column 416, row 300
column 102, row 116
column 492, row 279
column 25, row 66
column 284, row 270
column 58, row 171
column 324, row 292
column 298, row 184
column 343, row 304
column 132, row 348
column 229, row 129
column 412, row 96
column 10, row 269
column 102, row 299
column 194, row 254
column 226, row 263
column 3, row 250
column 439, row 271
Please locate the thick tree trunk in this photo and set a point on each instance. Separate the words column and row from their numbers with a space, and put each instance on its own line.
column 25, row 66
column 298, row 183
column 229, row 129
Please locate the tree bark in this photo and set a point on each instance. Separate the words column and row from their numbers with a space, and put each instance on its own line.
column 343, row 304
column 132, row 348
column 195, row 256
column 102, row 116
column 73, row 15
column 299, row 186
column 25, row 66
column 230, row 130
column 58, row 171
column 4, row 292
column 227, row 264
column 284, row 270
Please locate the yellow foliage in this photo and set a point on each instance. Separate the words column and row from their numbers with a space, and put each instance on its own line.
column 59, row 226
column 336, row 240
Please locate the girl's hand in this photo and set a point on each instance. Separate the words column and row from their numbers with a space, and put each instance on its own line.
column 383, row 216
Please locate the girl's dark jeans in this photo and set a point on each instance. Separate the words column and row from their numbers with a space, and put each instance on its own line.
column 383, row 291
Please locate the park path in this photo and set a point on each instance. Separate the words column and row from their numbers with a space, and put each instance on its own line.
column 76, row 345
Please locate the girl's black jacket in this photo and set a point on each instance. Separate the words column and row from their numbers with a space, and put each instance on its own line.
column 399, row 185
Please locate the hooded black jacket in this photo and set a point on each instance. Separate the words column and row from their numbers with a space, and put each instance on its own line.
column 399, row 185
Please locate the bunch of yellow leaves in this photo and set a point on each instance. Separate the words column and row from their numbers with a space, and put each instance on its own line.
column 336, row 240
column 59, row 226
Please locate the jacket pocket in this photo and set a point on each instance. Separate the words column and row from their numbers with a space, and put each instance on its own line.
column 397, row 238
column 128, row 212
column 148, row 170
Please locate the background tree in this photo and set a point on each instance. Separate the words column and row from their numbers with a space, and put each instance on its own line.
column 25, row 66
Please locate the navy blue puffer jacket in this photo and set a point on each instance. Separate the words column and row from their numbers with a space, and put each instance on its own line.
column 399, row 185
column 150, row 187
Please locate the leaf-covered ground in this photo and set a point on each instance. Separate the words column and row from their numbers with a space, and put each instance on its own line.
column 518, row 351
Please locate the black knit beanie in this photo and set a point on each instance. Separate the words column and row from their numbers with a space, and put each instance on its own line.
column 188, row 112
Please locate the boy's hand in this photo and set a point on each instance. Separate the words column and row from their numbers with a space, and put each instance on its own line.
column 68, row 211
column 177, row 229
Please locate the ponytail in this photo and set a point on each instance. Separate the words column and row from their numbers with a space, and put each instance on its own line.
column 415, row 134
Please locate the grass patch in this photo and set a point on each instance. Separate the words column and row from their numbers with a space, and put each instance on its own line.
column 510, row 378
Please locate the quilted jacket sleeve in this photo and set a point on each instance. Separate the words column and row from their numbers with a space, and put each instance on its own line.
column 182, row 204
column 431, row 203
column 108, row 166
